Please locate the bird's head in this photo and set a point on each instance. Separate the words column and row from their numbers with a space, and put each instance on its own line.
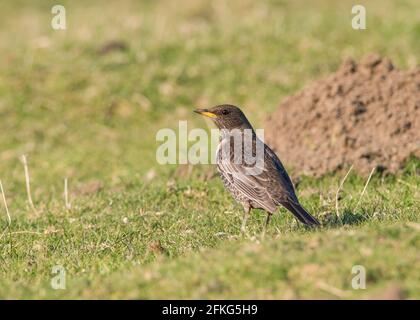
column 226, row 116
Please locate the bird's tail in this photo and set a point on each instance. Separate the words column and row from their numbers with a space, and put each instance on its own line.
column 301, row 214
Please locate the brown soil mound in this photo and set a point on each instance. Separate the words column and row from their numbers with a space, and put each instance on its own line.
column 366, row 114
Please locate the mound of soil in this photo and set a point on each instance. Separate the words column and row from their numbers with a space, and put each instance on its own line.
column 366, row 114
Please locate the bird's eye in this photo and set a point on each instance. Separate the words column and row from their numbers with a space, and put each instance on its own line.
column 225, row 112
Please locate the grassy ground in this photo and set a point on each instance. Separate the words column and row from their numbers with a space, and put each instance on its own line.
column 135, row 229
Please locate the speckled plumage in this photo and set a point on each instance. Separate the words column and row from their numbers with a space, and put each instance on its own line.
column 264, row 185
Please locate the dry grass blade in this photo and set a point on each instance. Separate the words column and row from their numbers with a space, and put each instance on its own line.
column 4, row 232
column 21, row 232
column 407, row 184
column 28, row 185
column 9, row 219
column 365, row 187
column 338, row 193
column 27, row 232
column 66, row 194
column 332, row 290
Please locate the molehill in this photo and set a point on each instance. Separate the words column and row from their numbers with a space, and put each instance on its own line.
column 367, row 114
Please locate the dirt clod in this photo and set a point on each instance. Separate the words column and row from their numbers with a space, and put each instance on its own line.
column 366, row 114
column 392, row 292
column 88, row 188
column 111, row 46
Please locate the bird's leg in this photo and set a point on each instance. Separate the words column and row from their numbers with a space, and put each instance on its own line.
column 247, row 209
column 267, row 221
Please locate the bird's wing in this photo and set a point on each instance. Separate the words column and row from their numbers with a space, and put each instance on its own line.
column 281, row 186
column 250, row 181
column 282, row 190
column 266, row 184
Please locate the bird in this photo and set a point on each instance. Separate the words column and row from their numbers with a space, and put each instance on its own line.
column 263, row 184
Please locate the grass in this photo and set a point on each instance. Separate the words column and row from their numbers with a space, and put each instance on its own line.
column 136, row 229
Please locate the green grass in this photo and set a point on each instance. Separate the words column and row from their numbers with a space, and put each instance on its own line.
column 93, row 118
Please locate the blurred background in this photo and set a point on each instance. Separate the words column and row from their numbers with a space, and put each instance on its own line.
column 65, row 97
column 85, row 103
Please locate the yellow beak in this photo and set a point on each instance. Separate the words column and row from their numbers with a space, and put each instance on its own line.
column 206, row 113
